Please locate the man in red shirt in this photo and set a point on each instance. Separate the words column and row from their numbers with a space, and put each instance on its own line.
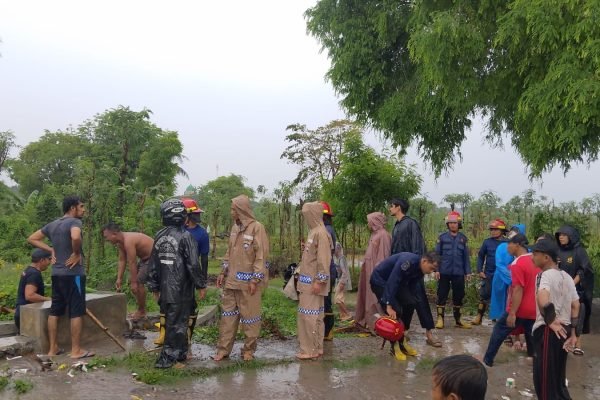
column 520, row 310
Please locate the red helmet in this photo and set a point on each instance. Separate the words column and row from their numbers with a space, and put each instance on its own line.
column 389, row 329
column 497, row 224
column 453, row 216
column 191, row 206
column 326, row 208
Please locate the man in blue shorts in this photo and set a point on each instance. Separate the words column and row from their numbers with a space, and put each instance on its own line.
column 68, row 273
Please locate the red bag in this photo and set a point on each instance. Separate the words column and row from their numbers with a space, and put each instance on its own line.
column 389, row 329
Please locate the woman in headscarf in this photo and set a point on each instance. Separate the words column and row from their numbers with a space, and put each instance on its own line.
column 379, row 248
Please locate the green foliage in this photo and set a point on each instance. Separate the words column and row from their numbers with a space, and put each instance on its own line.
column 3, row 382
column 279, row 314
column 318, row 153
column 22, row 386
column 354, row 363
column 9, row 283
column 143, row 365
column 419, row 72
column 366, row 182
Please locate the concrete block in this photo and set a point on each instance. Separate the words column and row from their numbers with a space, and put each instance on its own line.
column 8, row 328
column 110, row 308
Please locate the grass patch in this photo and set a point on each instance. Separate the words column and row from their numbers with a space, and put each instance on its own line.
column 278, row 318
column 354, row 363
column 3, row 382
column 22, row 386
column 143, row 365
column 427, row 363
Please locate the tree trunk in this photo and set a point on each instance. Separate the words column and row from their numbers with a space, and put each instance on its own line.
column 122, row 181
column 353, row 245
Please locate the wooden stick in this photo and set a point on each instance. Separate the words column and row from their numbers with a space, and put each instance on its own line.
column 104, row 328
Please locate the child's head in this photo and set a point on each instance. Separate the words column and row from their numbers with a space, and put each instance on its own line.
column 459, row 377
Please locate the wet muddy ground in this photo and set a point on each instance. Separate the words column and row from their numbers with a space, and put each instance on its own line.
column 337, row 376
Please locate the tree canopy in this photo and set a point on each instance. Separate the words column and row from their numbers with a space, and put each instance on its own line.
column 420, row 71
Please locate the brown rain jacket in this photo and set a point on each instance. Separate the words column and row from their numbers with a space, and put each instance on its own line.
column 316, row 257
column 248, row 248
column 379, row 248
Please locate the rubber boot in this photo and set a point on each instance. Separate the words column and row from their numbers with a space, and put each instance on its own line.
column 459, row 322
column 480, row 312
column 329, row 323
column 191, row 326
column 161, row 336
column 440, row 317
column 406, row 348
column 397, row 352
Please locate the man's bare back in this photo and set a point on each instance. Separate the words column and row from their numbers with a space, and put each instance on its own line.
column 132, row 246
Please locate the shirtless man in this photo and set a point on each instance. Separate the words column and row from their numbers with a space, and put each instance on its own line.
column 132, row 246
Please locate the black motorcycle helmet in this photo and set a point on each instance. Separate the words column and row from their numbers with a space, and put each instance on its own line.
column 173, row 212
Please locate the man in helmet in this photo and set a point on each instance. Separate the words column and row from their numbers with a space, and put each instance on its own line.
column 173, row 274
column 329, row 320
column 134, row 251
column 393, row 281
column 486, row 265
column 243, row 278
column 192, row 225
column 455, row 268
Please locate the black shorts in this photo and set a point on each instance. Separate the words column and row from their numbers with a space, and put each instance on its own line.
column 68, row 292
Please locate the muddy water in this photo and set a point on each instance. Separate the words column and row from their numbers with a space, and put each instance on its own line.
column 329, row 378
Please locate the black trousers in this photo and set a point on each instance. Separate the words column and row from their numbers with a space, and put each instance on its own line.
column 329, row 320
column 405, row 300
column 175, row 346
column 421, row 306
column 550, row 365
column 485, row 290
column 457, row 282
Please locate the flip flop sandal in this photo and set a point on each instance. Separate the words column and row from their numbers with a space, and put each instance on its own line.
column 434, row 342
column 577, row 351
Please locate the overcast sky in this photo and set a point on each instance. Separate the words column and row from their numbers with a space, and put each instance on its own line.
column 228, row 76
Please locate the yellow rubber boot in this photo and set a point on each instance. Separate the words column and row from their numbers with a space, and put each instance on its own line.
column 400, row 356
column 480, row 312
column 407, row 349
column 440, row 317
column 161, row 326
column 191, row 326
column 459, row 322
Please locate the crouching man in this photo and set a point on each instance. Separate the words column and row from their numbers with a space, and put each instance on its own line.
column 394, row 282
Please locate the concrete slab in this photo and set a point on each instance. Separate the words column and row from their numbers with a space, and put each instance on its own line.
column 16, row 345
column 110, row 308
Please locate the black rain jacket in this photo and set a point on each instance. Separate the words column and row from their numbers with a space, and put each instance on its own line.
column 173, row 269
column 574, row 260
column 407, row 237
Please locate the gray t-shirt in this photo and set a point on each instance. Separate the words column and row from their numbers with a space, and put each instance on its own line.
column 562, row 291
column 59, row 233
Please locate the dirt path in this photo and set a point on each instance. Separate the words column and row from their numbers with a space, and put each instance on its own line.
column 338, row 376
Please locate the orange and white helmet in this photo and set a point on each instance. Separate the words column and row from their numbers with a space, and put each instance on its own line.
column 453, row 216
column 191, row 206
column 326, row 208
column 497, row 224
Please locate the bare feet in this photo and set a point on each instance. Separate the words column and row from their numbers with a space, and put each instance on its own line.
column 247, row 357
column 137, row 315
column 83, row 354
column 219, row 357
column 302, row 356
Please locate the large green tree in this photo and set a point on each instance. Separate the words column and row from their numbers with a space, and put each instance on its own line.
column 419, row 71
column 317, row 152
